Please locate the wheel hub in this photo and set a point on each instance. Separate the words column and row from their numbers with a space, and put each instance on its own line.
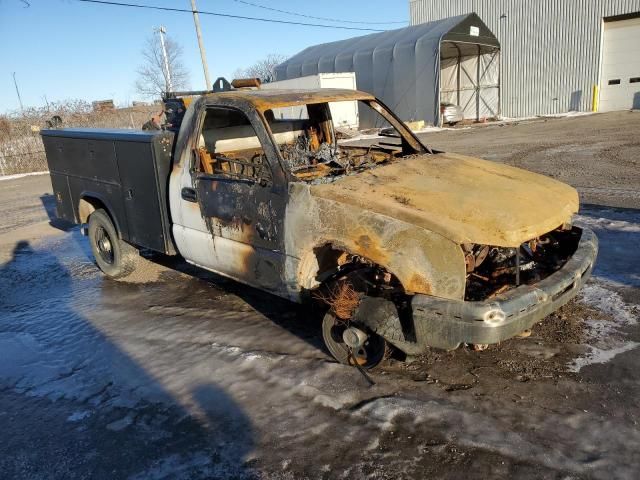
column 354, row 337
column 105, row 244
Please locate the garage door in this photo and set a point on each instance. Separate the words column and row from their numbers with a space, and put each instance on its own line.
column 620, row 81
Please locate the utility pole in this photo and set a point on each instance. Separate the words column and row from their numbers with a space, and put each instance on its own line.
column 167, row 70
column 18, row 92
column 203, row 54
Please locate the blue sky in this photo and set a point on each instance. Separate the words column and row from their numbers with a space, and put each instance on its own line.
column 66, row 49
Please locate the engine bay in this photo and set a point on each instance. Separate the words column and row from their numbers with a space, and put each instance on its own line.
column 492, row 271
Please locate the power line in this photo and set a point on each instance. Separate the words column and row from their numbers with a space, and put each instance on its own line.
column 311, row 16
column 227, row 15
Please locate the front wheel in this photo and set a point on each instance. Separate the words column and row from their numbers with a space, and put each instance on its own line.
column 114, row 257
column 352, row 344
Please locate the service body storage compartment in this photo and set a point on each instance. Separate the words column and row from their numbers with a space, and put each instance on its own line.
column 126, row 170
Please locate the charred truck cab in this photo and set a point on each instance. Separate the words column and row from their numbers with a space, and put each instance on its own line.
column 404, row 246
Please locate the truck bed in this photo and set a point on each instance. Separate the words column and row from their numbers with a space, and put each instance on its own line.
column 126, row 170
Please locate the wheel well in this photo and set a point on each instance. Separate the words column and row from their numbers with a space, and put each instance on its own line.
column 344, row 280
column 88, row 205
column 333, row 260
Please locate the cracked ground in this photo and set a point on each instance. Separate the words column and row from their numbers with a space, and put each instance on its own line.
column 183, row 374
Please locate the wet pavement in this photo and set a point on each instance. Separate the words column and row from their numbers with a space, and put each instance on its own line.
column 192, row 376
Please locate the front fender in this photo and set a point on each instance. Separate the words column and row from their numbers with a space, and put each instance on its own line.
column 423, row 261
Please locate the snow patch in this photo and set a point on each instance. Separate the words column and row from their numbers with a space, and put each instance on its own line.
column 20, row 175
column 78, row 416
column 610, row 303
column 618, row 233
column 329, row 401
column 226, row 348
column 551, row 115
column 177, row 466
column 120, row 424
column 250, row 357
column 627, row 226
column 440, row 129
column 598, row 355
column 605, row 336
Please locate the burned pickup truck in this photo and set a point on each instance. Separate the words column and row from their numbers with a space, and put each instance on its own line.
column 406, row 246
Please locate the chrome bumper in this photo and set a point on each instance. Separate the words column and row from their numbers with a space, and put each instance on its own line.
column 447, row 323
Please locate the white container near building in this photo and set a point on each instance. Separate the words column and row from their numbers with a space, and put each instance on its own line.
column 344, row 114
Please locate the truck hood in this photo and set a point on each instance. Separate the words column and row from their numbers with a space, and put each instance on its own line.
column 464, row 199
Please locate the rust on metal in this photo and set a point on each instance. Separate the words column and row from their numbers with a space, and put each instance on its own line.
column 342, row 298
column 267, row 99
column 432, row 222
column 246, row 83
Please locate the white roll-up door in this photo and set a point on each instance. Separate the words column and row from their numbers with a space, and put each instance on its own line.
column 620, row 80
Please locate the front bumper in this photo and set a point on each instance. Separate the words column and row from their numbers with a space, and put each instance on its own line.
column 446, row 323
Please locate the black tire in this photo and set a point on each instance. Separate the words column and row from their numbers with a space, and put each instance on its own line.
column 370, row 355
column 116, row 258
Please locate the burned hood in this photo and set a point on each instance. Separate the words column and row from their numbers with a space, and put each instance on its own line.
column 464, row 199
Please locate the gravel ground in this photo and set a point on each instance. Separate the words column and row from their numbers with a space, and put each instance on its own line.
column 597, row 154
column 192, row 376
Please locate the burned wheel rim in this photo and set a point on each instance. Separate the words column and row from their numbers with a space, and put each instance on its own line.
column 370, row 354
column 104, row 245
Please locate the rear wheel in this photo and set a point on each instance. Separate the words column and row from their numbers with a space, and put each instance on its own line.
column 114, row 257
column 351, row 343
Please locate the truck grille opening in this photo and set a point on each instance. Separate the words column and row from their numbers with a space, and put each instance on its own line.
column 492, row 271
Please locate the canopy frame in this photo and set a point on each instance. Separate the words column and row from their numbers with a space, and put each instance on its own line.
column 403, row 67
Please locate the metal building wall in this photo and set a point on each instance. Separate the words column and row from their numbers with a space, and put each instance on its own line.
column 550, row 48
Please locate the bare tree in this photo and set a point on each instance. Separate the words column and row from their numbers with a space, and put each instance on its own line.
column 152, row 78
column 263, row 69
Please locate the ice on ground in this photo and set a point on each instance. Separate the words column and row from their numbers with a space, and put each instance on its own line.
column 440, row 129
column 69, row 333
column 599, row 355
column 617, row 224
column 606, row 336
column 180, row 466
column 611, row 304
column 551, row 115
column 121, row 424
column 21, row 175
column 578, row 435
column 618, row 232
column 79, row 416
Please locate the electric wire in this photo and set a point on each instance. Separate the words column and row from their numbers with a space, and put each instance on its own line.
column 327, row 19
column 226, row 15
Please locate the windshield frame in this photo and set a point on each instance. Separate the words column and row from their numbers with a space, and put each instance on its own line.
column 405, row 132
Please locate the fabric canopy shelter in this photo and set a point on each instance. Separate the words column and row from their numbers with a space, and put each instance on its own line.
column 405, row 68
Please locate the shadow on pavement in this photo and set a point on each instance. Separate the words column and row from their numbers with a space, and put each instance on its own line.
column 300, row 321
column 303, row 321
column 73, row 404
column 49, row 205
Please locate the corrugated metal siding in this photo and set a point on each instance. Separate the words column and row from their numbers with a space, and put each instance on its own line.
column 550, row 48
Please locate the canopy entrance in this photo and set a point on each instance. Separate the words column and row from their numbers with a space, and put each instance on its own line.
column 414, row 69
column 470, row 78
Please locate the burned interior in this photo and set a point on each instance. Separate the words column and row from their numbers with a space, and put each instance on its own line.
column 314, row 150
column 311, row 146
column 229, row 146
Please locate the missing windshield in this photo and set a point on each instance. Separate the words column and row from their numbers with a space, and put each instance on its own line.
column 321, row 141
